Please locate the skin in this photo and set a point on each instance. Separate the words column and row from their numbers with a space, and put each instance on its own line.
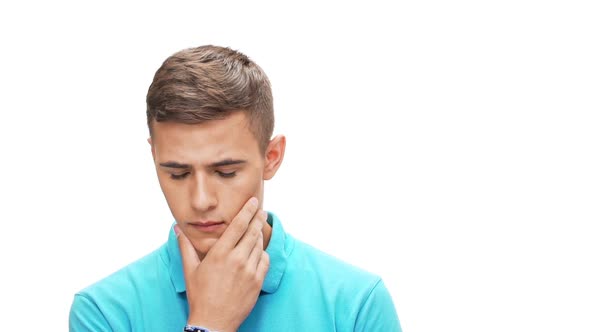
column 205, row 193
column 215, row 171
column 224, row 287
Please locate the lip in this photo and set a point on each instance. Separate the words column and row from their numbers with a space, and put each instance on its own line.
column 207, row 226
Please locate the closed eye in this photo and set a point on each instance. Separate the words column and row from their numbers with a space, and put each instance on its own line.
column 179, row 176
column 226, row 175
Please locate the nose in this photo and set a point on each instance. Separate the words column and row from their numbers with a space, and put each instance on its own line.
column 203, row 196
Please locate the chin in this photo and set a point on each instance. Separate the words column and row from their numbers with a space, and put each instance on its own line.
column 203, row 245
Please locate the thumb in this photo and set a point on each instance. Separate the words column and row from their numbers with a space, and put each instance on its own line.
column 190, row 258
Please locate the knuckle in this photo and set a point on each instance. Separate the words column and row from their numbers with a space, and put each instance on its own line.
column 265, row 258
column 263, row 215
column 258, row 224
column 254, row 232
column 250, row 272
column 237, row 262
column 260, row 213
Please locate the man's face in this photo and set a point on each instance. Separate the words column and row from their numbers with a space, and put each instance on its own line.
column 207, row 173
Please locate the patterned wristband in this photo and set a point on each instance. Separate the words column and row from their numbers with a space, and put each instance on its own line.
column 192, row 328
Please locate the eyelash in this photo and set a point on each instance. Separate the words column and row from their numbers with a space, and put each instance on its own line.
column 184, row 175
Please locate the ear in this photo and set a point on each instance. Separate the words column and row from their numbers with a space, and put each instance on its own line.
column 273, row 157
column 152, row 148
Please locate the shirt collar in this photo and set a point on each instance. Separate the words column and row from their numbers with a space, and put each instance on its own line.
column 278, row 250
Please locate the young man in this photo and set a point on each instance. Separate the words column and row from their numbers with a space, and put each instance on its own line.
column 227, row 265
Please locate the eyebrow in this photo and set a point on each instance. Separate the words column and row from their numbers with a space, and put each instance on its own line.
column 225, row 162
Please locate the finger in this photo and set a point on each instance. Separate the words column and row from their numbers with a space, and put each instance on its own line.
column 190, row 258
column 238, row 226
column 263, row 266
column 250, row 237
column 256, row 252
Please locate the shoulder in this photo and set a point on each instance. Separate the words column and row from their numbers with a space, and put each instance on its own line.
column 127, row 278
column 314, row 260
column 354, row 296
column 109, row 303
column 358, row 297
column 342, row 279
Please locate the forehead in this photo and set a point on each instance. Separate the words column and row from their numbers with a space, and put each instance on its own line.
column 206, row 142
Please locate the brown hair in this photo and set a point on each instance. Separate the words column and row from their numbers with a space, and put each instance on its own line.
column 208, row 83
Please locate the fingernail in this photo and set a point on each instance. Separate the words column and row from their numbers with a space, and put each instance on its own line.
column 176, row 229
column 254, row 201
column 265, row 215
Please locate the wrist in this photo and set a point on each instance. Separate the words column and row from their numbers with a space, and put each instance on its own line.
column 207, row 325
column 199, row 328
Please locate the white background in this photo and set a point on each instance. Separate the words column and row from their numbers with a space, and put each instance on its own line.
column 441, row 144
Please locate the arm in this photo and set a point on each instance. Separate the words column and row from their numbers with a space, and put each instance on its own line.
column 377, row 313
column 85, row 316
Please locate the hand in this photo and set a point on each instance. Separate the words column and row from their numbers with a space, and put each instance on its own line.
column 224, row 287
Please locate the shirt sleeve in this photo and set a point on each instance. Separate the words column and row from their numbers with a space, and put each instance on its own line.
column 85, row 316
column 378, row 313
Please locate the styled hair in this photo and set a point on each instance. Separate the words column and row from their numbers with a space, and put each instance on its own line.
column 208, row 83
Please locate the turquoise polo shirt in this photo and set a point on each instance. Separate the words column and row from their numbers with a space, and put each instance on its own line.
column 304, row 290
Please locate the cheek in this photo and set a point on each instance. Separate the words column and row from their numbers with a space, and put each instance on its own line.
column 174, row 195
column 238, row 193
